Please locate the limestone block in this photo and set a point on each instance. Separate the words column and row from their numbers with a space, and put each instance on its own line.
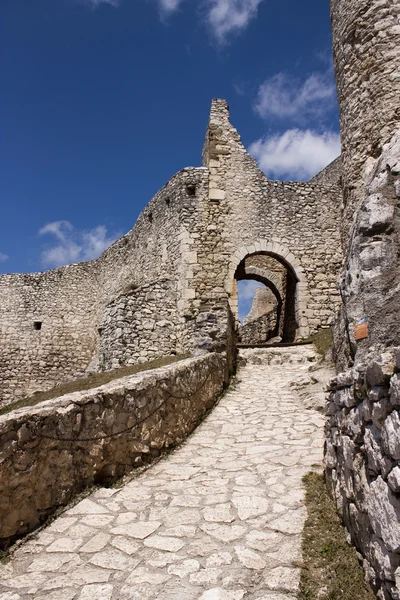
column 395, row 390
column 381, row 560
column 216, row 194
column 191, row 258
column 366, row 408
column 394, row 480
column 344, row 379
column 330, row 455
column 380, row 410
column 378, row 372
column 377, row 462
column 345, row 397
column 348, row 452
column 354, row 422
column 377, row 393
column 391, row 435
column 384, row 513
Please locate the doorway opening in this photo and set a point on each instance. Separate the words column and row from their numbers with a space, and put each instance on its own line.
column 266, row 294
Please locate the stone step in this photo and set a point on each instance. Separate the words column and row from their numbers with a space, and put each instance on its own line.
column 298, row 354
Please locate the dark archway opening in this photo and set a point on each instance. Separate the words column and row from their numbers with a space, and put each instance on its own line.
column 273, row 310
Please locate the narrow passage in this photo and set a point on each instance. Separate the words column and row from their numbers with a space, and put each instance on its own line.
column 219, row 519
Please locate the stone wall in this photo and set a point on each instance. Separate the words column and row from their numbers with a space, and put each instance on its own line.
column 280, row 280
column 363, row 464
column 366, row 43
column 71, row 302
column 366, row 49
column 52, row 451
column 63, row 303
column 263, row 302
column 194, row 232
column 261, row 322
column 331, row 175
column 260, row 330
column 363, row 428
column 141, row 325
column 296, row 223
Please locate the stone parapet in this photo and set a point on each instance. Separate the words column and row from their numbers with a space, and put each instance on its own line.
column 56, row 449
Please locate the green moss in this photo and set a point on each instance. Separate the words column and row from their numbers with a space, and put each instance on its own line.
column 92, row 381
column 330, row 569
column 323, row 341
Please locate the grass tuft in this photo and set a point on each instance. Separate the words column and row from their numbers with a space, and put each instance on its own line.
column 323, row 341
column 330, row 570
column 91, row 381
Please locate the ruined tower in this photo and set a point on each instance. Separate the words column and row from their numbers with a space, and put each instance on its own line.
column 363, row 427
column 366, row 48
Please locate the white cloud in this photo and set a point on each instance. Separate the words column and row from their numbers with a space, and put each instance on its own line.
column 223, row 17
column 73, row 245
column 296, row 154
column 168, row 7
column 227, row 17
column 286, row 97
column 3, row 257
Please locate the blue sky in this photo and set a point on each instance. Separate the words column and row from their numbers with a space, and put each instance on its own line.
column 104, row 100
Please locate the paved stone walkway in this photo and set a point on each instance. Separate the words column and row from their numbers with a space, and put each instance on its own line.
column 219, row 519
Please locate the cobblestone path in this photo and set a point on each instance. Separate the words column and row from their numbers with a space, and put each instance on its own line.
column 219, row 519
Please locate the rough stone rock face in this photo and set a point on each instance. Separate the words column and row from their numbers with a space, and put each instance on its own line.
column 331, row 175
column 52, row 451
column 363, row 445
column 263, row 302
column 194, row 233
column 366, row 42
column 259, row 330
column 362, row 457
column 261, row 322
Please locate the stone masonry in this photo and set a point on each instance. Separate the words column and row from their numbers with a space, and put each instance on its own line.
column 169, row 286
column 186, row 246
column 362, row 450
column 218, row 519
column 51, row 452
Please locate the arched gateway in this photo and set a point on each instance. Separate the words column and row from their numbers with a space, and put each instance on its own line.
column 296, row 295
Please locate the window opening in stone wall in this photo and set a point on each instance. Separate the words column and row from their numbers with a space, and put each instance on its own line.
column 191, row 190
column 37, row 325
column 150, row 217
column 167, row 202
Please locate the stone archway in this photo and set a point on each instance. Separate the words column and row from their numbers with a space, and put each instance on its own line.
column 292, row 264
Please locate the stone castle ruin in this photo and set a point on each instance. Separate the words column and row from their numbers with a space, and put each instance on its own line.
column 166, row 286
column 327, row 252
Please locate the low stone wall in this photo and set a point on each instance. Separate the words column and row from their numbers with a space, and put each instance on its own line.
column 363, row 464
column 50, row 452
